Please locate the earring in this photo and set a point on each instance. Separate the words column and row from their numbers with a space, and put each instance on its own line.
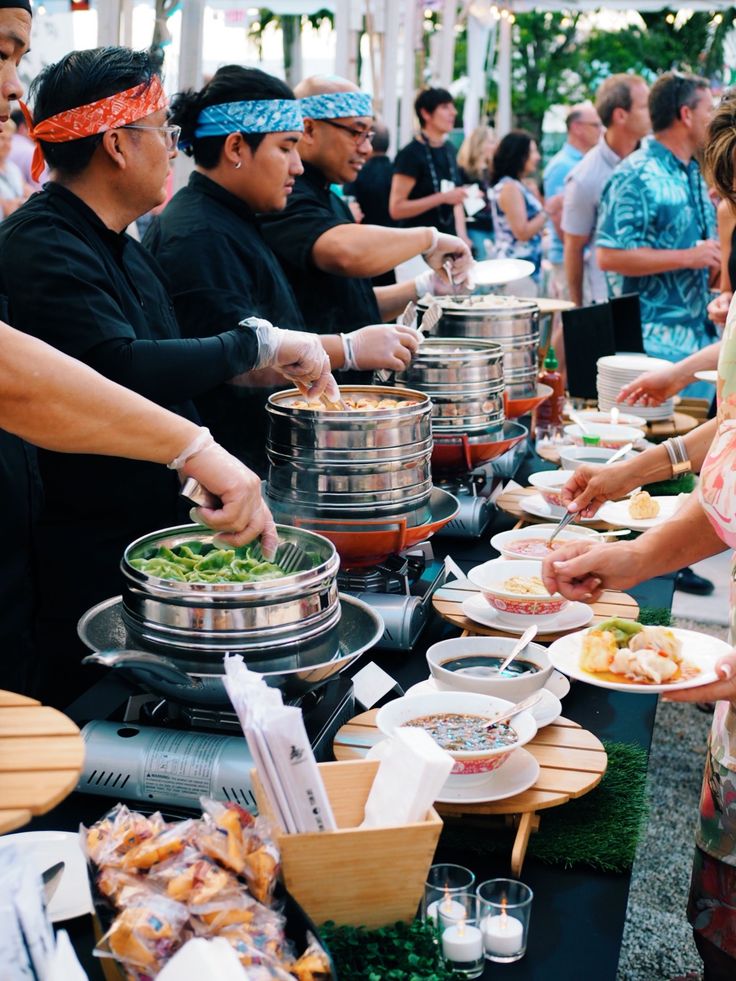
column 239, row 164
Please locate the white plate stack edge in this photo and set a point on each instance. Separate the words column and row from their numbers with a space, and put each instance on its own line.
column 617, row 370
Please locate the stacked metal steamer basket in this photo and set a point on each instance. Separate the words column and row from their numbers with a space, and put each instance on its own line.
column 512, row 323
column 361, row 477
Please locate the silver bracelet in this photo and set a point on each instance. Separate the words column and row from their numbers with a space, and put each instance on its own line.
column 677, row 453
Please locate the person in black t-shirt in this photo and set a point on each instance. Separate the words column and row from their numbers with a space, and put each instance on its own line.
column 424, row 168
column 99, row 296
column 328, row 259
column 371, row 189
column 210, row 245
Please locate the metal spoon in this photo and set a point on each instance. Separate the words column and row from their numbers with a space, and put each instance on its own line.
column 619, row 453
column 579, row 422
column 568, row 517
column 526, row 638
column 508, row 713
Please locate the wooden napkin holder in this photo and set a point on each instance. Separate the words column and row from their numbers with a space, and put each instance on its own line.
column 368, row 877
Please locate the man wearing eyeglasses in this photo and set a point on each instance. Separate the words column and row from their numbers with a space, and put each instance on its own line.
column 328, row 258
column 70, row 276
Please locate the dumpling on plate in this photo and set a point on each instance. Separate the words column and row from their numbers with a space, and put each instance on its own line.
column 643, row 506
column 598, row 651
column 657, row 639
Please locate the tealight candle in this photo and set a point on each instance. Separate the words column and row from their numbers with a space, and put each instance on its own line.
column 462, row 944
column 449, row 911
column 503, row 935
column 614, row 416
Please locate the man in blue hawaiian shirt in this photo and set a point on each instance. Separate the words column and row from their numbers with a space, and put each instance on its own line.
column 656, row 225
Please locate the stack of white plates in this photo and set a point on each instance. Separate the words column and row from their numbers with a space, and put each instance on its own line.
column 617, row 370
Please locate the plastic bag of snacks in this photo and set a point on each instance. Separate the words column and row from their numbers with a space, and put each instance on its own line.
column 211, row 877
column 146, row 933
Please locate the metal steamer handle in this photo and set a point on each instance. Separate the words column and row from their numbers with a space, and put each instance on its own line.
column 159, row 668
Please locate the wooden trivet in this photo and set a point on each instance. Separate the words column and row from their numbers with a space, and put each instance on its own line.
column 41, row 757
column 572, row 762
column 510, row 502
column 448, row 602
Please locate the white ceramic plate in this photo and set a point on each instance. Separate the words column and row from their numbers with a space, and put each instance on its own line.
column 497, row 272
column 517, row 774
column 628, row 363
column 544, row 712
column 574, row 615
column 710, row 375
column 46, row 848
column 616, row 513
column 697, row 648
column 558, row 684
column 535, row 504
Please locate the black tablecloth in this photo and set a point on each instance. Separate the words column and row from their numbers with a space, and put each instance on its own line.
column 577, row 915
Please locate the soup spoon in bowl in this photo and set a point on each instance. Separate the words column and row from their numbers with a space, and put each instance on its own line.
column 504, row 714
column 526, row 638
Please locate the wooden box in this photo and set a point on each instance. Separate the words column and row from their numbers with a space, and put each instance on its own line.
column 359, row 876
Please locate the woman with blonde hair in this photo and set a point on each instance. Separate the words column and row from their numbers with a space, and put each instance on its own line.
column 474, row 160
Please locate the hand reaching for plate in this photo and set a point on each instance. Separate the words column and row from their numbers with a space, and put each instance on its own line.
column 591, row 486
column 582, row 571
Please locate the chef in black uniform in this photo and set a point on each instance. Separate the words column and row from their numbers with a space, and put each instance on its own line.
column 243, row 129
column 328, row 258
column 96, row 294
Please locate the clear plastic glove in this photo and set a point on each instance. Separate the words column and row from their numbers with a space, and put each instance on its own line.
column 384, row 346
column 438, row 285
column 450, row 248
column 243, row 515
column 297, row 355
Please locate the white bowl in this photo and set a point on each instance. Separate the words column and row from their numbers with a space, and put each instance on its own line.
column 475, row 666
column 471, row 766
column 612, row 437
column 523, row 607
column 604, row 417
column 572, row 457
column 549, row 483
column 506, row 542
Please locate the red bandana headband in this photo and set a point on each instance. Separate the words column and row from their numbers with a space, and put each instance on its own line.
column 96, row 117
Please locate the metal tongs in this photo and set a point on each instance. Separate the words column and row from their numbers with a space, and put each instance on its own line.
column 386, row 376
column 290, row 557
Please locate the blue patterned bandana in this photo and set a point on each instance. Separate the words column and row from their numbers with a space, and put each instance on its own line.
column 254, row 116
column 337, row 105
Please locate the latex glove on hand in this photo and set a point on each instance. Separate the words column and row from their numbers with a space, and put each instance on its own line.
column 298, row 355
column 378, row 346
column 438, row 284
column 449, row 248
column 243, row 515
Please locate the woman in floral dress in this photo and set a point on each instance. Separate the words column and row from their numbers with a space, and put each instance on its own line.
column 704, row 526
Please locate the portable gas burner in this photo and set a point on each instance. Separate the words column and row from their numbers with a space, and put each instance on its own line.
column 400, row 588
column 172, row 755
column 476, row 491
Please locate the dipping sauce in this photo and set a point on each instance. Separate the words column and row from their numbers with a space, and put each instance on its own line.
column 465, row 733
column 533, row 548
column 487, row 665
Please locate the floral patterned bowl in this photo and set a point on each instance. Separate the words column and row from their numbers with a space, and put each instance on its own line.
column 470, row 766
column 491, row 577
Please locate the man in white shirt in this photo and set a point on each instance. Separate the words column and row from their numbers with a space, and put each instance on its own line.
column 622, row 102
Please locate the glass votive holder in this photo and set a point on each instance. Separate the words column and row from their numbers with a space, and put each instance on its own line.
column 461, row 942
column 443, row 882
column 504, row 908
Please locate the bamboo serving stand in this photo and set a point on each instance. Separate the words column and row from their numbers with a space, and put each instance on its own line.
column 448, row 602
column 41, row 757
column 572, row 762
column 679, row 425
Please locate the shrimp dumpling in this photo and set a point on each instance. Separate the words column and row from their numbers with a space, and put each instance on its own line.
column 599, row 650
column 657, row 639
